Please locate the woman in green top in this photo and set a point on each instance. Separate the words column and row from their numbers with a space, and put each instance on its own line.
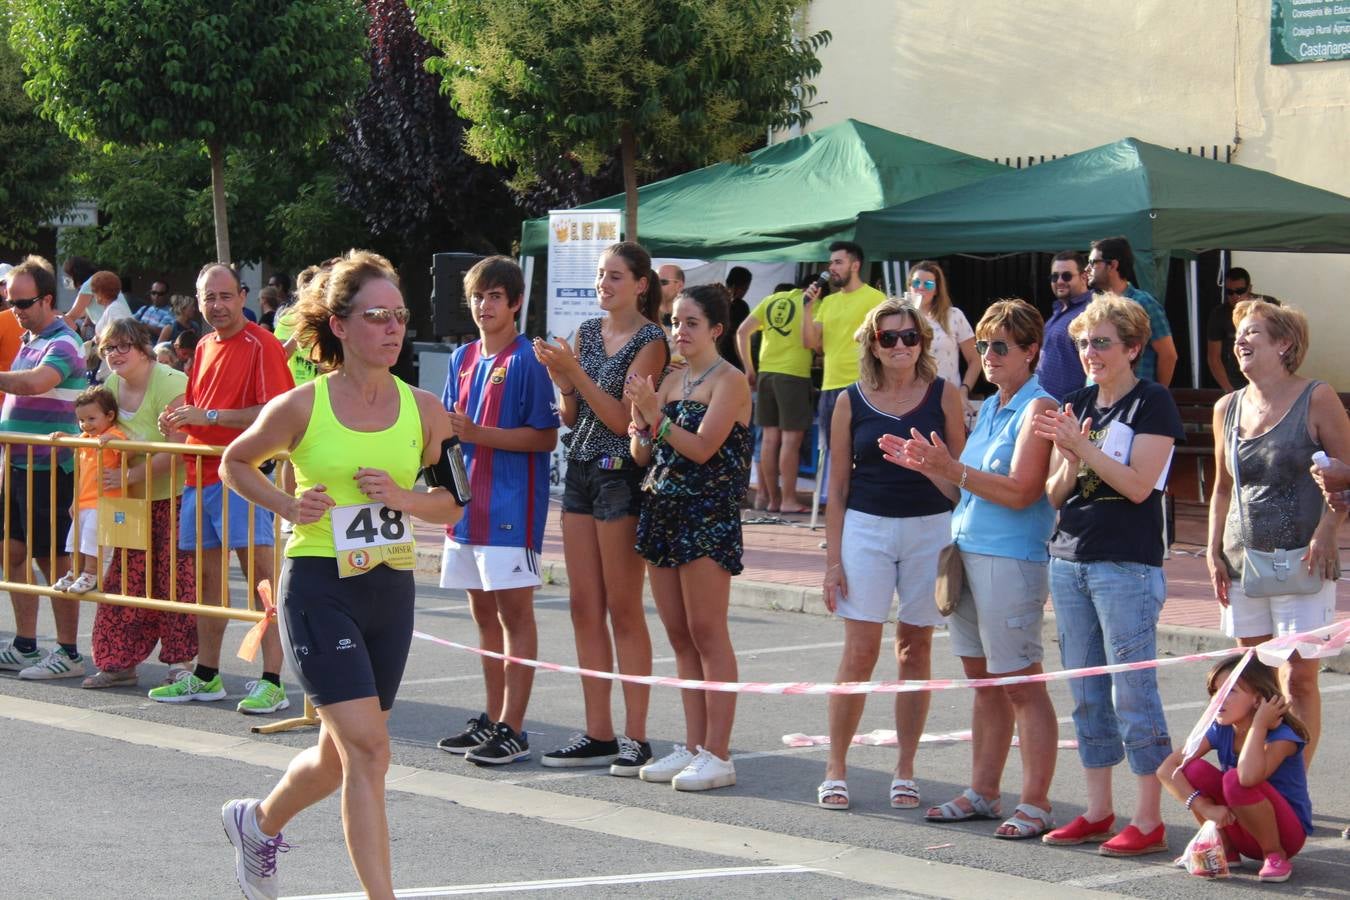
column 357, row 438
column 124, row 636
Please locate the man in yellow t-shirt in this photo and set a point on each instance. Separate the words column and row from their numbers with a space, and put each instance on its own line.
column 830, row 324
column 782, row 393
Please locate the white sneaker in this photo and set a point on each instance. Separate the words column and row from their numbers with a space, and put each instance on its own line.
column 255, row 854
column 56, row 664
column 705, row 773
column 668, row 766
column 12, row 660
column 64, row 582
column 82, row 585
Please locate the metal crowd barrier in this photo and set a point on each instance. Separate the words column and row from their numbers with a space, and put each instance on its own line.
column 157, row 597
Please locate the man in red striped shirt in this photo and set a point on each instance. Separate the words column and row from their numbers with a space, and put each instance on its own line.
column 504, row 411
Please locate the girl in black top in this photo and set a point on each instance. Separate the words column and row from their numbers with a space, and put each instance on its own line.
column 601, row 499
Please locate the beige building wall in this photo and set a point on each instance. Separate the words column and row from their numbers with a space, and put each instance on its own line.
column 1000, row 78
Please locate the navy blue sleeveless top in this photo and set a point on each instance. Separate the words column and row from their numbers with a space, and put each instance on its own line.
column 880, row 488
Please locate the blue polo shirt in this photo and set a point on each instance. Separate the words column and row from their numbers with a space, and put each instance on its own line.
column 1158, row 328
column 1061, row 369
column 982, row 526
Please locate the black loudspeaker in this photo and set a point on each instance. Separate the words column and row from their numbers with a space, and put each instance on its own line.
column 450, row 314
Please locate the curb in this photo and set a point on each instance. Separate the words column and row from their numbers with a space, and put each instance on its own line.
column 1173, row 640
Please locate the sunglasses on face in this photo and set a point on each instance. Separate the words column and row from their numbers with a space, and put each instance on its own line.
column 157, row 293
column 927, row 284
column 1000, row 348
column 23, row 304
column 380, row 315
column 1061, row 276
column 909, row 337
column 1098, row 343
column 1236, row 292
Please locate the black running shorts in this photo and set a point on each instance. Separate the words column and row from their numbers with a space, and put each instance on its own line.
column 346, row 638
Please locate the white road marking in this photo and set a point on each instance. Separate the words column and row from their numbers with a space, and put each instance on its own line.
column 505, row 887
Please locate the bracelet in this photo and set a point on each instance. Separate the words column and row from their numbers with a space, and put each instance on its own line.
column 664, row 430
column 965, row 473
column 1192, row 798
column 965, row 387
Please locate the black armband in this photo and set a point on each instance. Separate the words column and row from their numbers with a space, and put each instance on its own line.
column 449, row 472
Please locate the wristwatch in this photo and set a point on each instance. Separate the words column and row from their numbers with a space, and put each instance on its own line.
column 212, row 416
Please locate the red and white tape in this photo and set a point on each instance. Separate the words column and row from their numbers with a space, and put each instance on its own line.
column 1321, row 642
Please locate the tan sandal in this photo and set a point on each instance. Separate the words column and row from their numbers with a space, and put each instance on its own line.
column 106, row 678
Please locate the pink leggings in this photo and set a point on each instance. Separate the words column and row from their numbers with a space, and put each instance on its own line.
column 1224, row 787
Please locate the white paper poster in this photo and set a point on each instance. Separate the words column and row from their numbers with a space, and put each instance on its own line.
column 576, row 238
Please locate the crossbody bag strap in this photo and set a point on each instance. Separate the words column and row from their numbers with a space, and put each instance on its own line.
column 1236, row 412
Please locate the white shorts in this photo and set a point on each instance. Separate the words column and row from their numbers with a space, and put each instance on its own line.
column 883, row 556
column 1247, row 617
column 477, row 567
column 88, row 533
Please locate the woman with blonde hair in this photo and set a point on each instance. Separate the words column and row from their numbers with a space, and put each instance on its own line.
column 878, row 545
column 1266, row 500
column 1113, row 445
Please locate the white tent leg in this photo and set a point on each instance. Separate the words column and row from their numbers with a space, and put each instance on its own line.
column 527, row 267
column 1193, row 315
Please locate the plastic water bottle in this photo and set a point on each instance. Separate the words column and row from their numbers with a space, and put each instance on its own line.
column 1321, row 460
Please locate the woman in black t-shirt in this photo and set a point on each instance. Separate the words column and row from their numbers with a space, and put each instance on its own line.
column 885, row 527
column 1113, row 444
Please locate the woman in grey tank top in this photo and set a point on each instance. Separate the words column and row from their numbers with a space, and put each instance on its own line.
column 1272, row 427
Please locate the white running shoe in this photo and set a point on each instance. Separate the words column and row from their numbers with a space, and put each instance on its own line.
column 56, row 664
column 706, row 772
column 255, row 855
column 668, row 766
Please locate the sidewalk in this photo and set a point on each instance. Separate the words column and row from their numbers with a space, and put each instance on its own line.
column 784, row 563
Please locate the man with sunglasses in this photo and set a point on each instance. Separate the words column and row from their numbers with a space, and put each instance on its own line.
column 1060, row 370
column 235, row 370
column 40, row 394
column 829, row 326
column 156, row 312
column 1111, row 271
column 1221, row 331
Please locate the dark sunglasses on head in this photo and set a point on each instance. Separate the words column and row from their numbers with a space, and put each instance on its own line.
column 23, row 304
column 380, row 315
column 927, row 284
column 1061, row 276
column 1236, row 292
column 1000, row 348
column 909, row 337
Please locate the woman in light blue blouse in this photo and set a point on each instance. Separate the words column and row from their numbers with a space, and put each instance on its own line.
column 1001, row 526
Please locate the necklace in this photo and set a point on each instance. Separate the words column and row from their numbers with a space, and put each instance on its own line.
column 688, row 386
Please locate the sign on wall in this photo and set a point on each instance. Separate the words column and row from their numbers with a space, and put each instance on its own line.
column 1309, row 31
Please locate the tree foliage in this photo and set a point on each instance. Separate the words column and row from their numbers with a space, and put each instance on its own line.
column 402, row 157
column 222, row 73
column 36, row 181
column 155, row 207
column 687, row 81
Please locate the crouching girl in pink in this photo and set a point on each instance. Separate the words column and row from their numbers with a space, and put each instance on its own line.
column 1259, row 795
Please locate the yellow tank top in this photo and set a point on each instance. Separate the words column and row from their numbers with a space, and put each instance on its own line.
column 330, row 453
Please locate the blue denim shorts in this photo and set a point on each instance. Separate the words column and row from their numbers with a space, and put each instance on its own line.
column 212, row 500
column 604, row 493
column 1107, row 612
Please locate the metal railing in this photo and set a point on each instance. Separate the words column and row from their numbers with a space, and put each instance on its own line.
column 158, row 597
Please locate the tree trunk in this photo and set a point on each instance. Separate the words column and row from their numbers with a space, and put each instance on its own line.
column 628, row 153
column 222, row 216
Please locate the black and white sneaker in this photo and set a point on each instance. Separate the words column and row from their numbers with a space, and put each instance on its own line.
column 478, row 731
column 583, row 750
column 633, row 755
column 505, row 746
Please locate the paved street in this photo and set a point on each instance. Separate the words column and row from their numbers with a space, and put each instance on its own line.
column 125, row 793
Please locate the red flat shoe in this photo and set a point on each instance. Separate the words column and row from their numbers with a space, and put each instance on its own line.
column 1133, row 842
column 1080, row 831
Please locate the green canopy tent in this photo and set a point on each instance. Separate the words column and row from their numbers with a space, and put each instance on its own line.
column 786, row 202
column 1165, row 202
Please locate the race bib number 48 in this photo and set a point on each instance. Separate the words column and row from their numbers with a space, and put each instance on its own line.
column 371, row 534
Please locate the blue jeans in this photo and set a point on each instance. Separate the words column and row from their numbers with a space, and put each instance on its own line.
column 1106, row 613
